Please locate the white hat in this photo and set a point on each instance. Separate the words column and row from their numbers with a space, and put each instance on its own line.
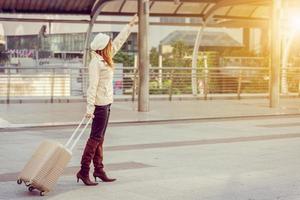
column 100, row 41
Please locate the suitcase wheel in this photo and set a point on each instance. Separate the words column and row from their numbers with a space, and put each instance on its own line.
column 31, row 188
column 42, row 193
column 19, row 181
column 27, row 184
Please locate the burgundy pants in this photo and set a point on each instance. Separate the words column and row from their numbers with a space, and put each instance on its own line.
column 100, row 122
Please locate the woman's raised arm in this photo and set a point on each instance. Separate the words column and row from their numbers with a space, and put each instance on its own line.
column 123, row 35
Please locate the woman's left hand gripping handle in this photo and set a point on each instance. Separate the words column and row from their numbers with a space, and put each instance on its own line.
column 88, row 115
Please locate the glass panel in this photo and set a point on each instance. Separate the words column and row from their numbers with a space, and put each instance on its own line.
column 112, row 6
column 222, row 11
column 192, row 8
column 241, row 11
column 130, row 7
column 208, row 8
column 163, row 7
column 261, row 12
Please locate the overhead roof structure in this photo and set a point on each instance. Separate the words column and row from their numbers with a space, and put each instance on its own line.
column 223, row 9
column 225, row 13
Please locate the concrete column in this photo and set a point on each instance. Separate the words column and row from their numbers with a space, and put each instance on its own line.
column 143, row 13
column 275, row 54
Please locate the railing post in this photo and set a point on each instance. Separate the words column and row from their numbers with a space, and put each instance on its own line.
column 160, row 72
column 299, row 87
column 52, row 84
column 205, row 89
column 134, row 84
column 205, row 77
column 239, row 85
column 83, row 79
column 171, row 85
column 135, row 71
column 8, row 86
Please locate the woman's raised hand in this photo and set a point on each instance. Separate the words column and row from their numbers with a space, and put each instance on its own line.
column 133, row 20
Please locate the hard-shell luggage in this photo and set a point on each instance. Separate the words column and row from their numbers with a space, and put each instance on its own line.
column 48, row 163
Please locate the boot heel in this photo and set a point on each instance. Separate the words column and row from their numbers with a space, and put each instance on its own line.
column 95, row 178
column 85, row 179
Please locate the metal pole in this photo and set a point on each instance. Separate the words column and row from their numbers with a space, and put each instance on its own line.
column 195, row 59
column 85, row 59
column 275, row 54
column 143, row 12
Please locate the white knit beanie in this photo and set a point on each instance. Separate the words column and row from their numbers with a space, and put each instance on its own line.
column 100, row 41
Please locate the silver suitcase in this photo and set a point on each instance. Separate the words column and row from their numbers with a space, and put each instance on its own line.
column 48, row 163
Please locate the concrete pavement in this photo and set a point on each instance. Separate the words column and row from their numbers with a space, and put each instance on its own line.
column 249, row 159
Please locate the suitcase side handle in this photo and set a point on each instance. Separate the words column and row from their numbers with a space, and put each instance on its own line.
column 75, row 132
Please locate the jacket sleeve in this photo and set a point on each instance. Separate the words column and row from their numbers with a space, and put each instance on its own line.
column 94, row 71
column 121, row 39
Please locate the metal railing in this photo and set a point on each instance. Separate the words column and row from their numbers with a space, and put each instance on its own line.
column 56, row 82
column 214, row 80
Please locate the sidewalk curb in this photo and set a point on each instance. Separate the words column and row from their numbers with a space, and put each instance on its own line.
column 152, row 98
column 128, row 99
column 141, row 122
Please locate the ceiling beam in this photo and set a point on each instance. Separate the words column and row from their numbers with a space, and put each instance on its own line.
column 229, row 23
column 240, row 18
column 186, row 1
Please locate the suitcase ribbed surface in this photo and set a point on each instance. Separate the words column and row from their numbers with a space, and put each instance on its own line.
column 37, row 160
column 46, row 165
column 49, row 174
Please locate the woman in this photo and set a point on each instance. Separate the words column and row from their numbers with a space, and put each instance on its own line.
column 99, row 99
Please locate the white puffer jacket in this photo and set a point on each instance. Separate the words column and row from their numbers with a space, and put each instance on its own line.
column 100, row 90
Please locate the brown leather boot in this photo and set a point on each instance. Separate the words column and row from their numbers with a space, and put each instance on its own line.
column 86, row 160
column 98, row 164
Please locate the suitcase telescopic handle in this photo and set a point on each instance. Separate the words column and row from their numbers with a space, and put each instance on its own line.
column 69, row 142
column 74, row 132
